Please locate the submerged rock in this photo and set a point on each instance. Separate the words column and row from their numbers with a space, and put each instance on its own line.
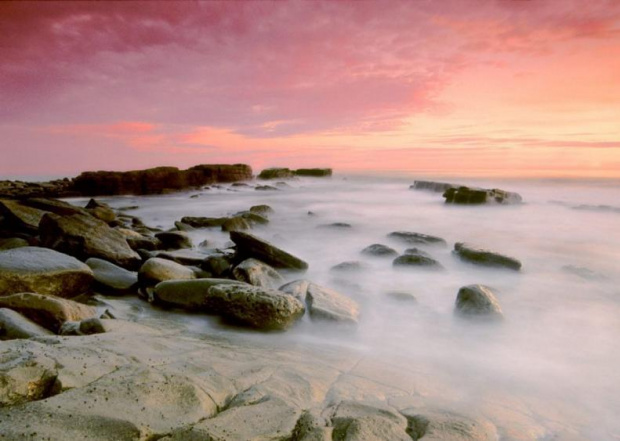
column 484, row 257
column 111, row 277
column 402, row 296
column 263, row 210
column 236, row 223
column 14, row 325
column 477, row 300
column 470, row 195
column 419, row 259
column 47, row 311
column 249, row 245
column 348, row 267
column 266, row 188
column 44, row 271
column 337, row 225
column 257, row 273
column 85, row 236
column 417, row 238
column 379, row 250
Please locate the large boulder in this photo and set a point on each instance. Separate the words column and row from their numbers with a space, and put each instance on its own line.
column 110, row 277
column 14, row 325
column 477, row 301
column 259, row 308
column 417, row 238
column 192, row 295
column 21, row 217
column 44, row 271
column 174, row 240
column 473, row 195
column 257, row 273
column 323, row 303
column 85, row 236
column 276, row 173
column 249, row 245
column 157, row 270
column 484, row 257
column 47, row 311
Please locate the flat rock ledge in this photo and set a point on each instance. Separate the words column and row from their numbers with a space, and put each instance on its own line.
column 480, row 256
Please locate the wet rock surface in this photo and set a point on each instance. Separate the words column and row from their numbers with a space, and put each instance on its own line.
column 112, row 278
column 416, row 238
column 480, row 256
column 379, row 250
column 477, row 301
column 249, row 245
column 472, row 196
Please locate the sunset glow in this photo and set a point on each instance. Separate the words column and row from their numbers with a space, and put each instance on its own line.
column 468, row 88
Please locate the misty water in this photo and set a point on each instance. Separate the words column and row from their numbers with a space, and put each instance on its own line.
column 554, row 358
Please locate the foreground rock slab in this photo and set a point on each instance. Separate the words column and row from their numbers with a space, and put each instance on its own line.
column 85, row 236
column 484, row 257
column 111, row 277
column 249, row 245
column 477, row 301
column 324, row 303
column 14, row 325
column 21, row 217
column 44, row 271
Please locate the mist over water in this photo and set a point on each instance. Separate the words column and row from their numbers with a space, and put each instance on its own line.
column 555, row 357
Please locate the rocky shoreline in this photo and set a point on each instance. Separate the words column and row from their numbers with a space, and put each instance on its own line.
column 76, row 364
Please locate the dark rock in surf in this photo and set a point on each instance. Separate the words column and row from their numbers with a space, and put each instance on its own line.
column 174, row 240
column 417, row 238
column 416, row 260
column 472, row 196
column 484, row 257
column 204, row 222
column 257, row 273
column 348, row 267
column 314, row 172
column 262, row 210
column 477, row 301
column 249, row 245
column 337, row 226
column 236, row 223
column 379, row 250
column 276, row 173
column 266, row 188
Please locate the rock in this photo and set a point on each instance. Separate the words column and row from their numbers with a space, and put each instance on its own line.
column 84, row 236
column 204, row 222
column 361, row 421
column 484, row 257
column 276, row 173
column 21, row 217
column 183, row 256
column 253, row 218
column 218, row 265
column 257, row 273
column 25, row 377
column 349, row 267
column 85, row 327
column 236, row 223
column 583, row 272
column 157, row 270
column 416, row 260
column 144, row 243
column 249, row 245
column 402, row 296
column 314, row 172
column 263, row 210
column 110, row 277
column 14, row 325
column 157, row 180
column 183, row 227
column 337, row 225
column 266, row 188
column 415, row 252
column 417, row 238
column 259, row 308
column 323, row 303
column 477, row 301
column 54, row 206
column 47, row 311
column 433, row 425
column 438, row 187
column 471, row 195
column 188, row 294
column 174, row 240
column 44, row 271
column 379, row 250
column 13, row 242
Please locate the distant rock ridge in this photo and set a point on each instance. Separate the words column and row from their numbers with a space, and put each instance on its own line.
column 286, row 173
column 139, row 182
column 461, row 194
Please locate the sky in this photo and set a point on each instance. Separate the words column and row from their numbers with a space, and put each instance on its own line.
column 500, row 88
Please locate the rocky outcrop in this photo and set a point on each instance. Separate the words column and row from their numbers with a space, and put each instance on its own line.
column 484, row 257
column 314, row 172
column 477, row 301
column 52, row 189
column 257, row 273
column 472, row 195
column 21, row 217
column 323, row 303
column 157, row 180
column 85, row 236
column 417, row 238
column 47, row 311
column 438, row 425
column 379, row 250
column 34, row 269
column 236, row 223
column 204, row 222
column 262, row 210
column 438, row 187
column 112, row 278
column 156, row 270
column 14, row 325
column 276, row 173
column 26, row 377
column 249, row 246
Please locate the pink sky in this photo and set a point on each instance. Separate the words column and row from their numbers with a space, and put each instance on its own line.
column 481, row 88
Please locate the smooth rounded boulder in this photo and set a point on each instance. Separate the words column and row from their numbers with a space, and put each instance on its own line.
column 249, row 245
column 477, row 301
column 13, row 325
column 110, row 277
column 379, row 250
column 157, row 270
column 484, row 257
column 257, row 273
column 191, row 295
column 44, row 271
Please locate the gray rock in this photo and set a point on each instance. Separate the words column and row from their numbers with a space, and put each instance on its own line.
column 183, row 227
column 361, row 421
column 111, row 277
column 44, row 271
column 157, row 270
column 84, row 236
column 218, row 264
column 236, row 223
column 25, row 377
column 21, row 217
column 437, row 425
column 47, row 311
column 257, row 273
column 262, row 210
column 188, row 294
column 379, row 250
column 266, row 188
column 477, row 301
column 174, row 240
column 85, row 327
column 249, row 245
column 337, row 226
column 417, row 238
column 204, row 222
column 14, row 325
column 323, row 303
column 297, row 289
column 184, row 256
column 484, row 257
column 402, row 296
column 276, row 173
column 253, row 218
column 12, row 242
column 348, row 267
column 416, row 260
column 143, row 242
column 256, row 307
